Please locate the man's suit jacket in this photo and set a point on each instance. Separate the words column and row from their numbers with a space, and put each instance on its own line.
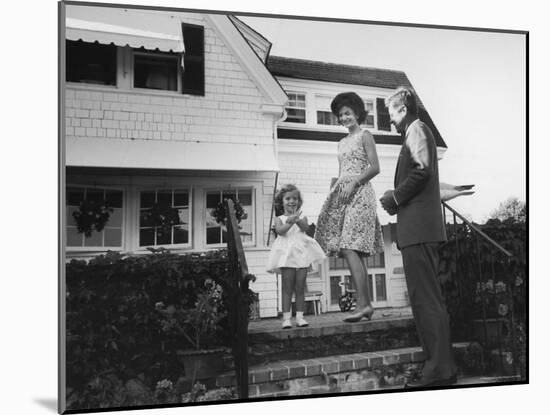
column 419, row 214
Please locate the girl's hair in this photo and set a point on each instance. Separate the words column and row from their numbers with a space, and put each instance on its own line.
column 352, row 100
column 279, row 210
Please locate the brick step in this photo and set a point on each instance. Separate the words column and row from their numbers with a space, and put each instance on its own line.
column 341, row 373
column 331, row 339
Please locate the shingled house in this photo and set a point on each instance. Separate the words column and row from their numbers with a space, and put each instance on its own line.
column 179, row 110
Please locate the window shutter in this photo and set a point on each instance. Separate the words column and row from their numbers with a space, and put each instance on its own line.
column 193, row 59
column 383, row 115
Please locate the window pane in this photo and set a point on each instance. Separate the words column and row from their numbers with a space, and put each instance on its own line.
column 90, row 63
column 371, row 287
column 184, row 216
column 212, row 200
column 156, row 72
column 245, row 197
column 145, row 218
column 295, row 115
column 74, row 196
column 380, row 287
column 181, row 235
column 147, row 199
column 115, row 218
column 96, row 239
column 93, row 195
column 181, row 198
column 335, row 290
column 164, row 237
column 229, row 195
column 73, row 237
column 213, row 235
column 113, row 237
column 164, row 198
column 114, row 198
column 70, row 218
column 146, row 237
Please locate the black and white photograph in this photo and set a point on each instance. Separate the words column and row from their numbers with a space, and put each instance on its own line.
column 260, row 207
column 276, row 209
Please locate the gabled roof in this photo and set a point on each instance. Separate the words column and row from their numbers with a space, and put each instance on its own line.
column 348, row 74
column 333, row 72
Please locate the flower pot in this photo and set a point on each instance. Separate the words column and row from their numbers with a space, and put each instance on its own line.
column 203, row 363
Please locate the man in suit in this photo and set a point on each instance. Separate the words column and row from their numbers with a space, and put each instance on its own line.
column 420, row 229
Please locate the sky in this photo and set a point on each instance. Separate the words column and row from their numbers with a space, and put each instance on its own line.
column 472, row 83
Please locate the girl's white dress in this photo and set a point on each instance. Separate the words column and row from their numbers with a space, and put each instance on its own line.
column 294, row 249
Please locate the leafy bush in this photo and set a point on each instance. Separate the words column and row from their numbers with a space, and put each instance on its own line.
column 486, row 283
column 119, row 309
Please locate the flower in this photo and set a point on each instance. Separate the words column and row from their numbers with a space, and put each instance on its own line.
column 164, row 384
column 519, row 280
column 509, row 358
column 500, row 287
column 503, row 309
column 159, row 305
column 489, row 285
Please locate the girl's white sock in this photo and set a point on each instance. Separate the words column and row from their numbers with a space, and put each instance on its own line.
column 299, row 315
column 286, row 316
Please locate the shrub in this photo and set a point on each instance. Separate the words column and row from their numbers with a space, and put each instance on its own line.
column 117, row 323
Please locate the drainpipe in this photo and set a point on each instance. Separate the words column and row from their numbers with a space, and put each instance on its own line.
column 276, row 151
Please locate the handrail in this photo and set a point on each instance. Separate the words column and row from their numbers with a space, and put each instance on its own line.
column 479, row 231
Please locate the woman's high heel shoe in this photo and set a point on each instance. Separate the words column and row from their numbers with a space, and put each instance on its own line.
column 367, row 313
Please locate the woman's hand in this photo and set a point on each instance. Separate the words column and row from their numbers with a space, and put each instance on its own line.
column 347, row 190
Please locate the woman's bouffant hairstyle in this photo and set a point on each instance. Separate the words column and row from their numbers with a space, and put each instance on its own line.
column 279, row 210
column 352, row 100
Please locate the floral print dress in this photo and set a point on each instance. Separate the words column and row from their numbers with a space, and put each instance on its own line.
column 351, row 224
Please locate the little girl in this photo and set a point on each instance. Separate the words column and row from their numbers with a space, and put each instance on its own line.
column 292, row 252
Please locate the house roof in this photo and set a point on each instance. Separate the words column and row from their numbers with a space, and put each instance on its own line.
column 349, row 74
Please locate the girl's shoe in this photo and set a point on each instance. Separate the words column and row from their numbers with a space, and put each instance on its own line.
column 287, row 324
column 300, row 322
column 367, row 313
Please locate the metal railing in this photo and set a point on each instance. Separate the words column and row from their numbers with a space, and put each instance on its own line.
column 488, row 283
column 238, row 301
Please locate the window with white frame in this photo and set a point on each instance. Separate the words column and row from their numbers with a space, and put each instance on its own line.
column 164, row 217
column 217, row 233
column 88, row 204
column 324, row 113
column 296, row 107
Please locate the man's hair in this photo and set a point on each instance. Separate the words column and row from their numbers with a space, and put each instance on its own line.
column 404, row 96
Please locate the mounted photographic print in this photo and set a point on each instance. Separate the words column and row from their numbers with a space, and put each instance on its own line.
column 260, row 207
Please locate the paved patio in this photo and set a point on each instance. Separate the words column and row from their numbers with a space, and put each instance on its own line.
column 332, row 323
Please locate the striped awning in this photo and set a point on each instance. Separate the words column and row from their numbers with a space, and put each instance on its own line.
column 135, row 28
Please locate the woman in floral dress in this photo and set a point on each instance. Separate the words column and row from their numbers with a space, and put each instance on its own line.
column 348, row 223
